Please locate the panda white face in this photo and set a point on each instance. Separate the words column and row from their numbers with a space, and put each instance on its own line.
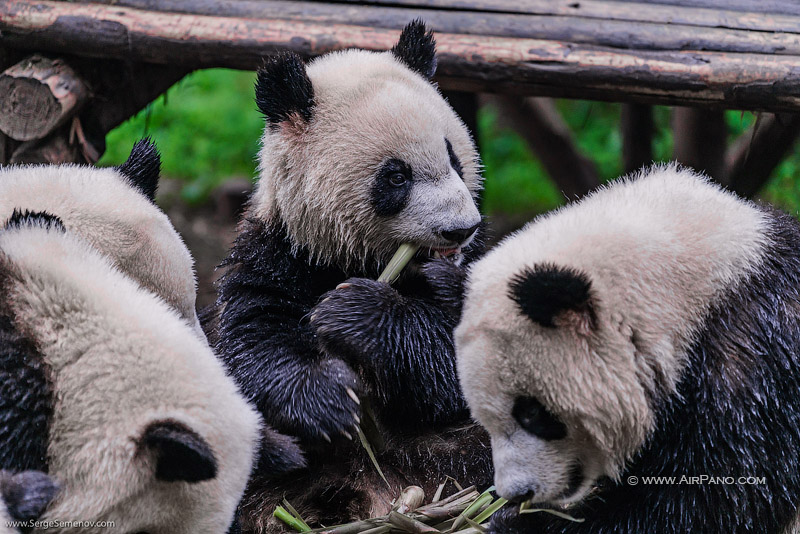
column 361, row 154
column 576, row 327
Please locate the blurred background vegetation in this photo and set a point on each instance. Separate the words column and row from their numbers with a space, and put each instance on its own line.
column 207, row 128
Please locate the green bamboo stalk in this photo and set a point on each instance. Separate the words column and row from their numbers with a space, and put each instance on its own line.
column 281, row 513
column 398, row 262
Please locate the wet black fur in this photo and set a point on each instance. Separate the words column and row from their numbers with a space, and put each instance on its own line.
column 295, row 344
column 736, row 413
column 545, row 291
column 283, row 88
column 26, row 400
column 417, row 48
column 27, row 494
column 143, row 167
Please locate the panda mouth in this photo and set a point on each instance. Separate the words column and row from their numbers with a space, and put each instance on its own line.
column 441, row 252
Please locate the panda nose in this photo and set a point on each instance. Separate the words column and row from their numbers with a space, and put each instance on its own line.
column 459, row 235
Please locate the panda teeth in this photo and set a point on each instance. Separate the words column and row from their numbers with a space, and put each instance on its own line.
column 437, row 255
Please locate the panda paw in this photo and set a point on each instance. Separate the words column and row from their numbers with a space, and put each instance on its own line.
column 332, row 409
column 350, row 321
column 447, row 281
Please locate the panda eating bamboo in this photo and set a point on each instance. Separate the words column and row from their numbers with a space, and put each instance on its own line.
column 361, row 154
column 649, row 330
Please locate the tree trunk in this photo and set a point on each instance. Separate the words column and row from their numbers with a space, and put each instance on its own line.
column 636, row 123
column 751, row 160
column 700, row 139
column 538, row 121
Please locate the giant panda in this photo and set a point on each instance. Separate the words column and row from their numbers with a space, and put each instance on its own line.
column 23, row 498
column 650, row 330
column 114, row 209
column 360, row 154
column 106, row 389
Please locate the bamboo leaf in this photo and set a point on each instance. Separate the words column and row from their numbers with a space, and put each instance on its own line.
column 364, row 443
column 556, row 513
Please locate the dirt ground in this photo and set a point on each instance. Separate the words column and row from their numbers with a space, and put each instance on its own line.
column 209, row 229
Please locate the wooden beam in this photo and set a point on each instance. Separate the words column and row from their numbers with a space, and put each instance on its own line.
column 646, row 34
column 753, row 157
column 783, row 14
column 491, row 64
column 636, row 123
column 538, row 122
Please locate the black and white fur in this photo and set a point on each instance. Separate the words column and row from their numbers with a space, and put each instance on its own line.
column 23, row 498
column 110, row 392
column 652, row 329
column 113, row 209
column 360, row 154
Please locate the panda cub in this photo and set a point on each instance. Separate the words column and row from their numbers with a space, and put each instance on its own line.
column 23, row 498
column 649, row 330
column 361, row 154
column 114, row 209
column 111, row 393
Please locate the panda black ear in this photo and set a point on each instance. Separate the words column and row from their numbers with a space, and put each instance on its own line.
column 283, row 89
column 143, row 167
column 27, row 494
column 417, row 48
column 181, row 454
column 547, row 292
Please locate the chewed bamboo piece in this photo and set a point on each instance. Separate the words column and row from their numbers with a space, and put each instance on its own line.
column 464, row 512
column 398, row 262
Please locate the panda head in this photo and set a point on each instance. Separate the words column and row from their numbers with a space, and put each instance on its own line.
column 113, row 209
column 361, row 153
column 576, row 329
column 553, row 433
column 147, row 431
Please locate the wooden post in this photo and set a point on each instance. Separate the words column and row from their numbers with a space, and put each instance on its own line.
column 753, row 157
column 700, row 140
column 37, row 95
column 537, row 120
column 636, row 123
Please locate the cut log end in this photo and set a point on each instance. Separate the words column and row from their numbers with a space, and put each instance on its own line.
column 36, row 96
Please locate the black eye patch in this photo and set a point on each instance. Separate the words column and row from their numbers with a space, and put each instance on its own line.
column 454, row 161
column 534, row 418
column 392, row 187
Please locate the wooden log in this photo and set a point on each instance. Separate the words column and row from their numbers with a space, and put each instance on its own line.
column 700, row 139
column 636, row 123
column 723, row 14
column 753, row 157
column 55, row 148
column 644, row 35
column 37, row 95
column 490, row 64
column 539, row 123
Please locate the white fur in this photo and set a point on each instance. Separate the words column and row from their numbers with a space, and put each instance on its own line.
column 658, row 250
column 121, row 359
column 101, row 206
column 316, row 178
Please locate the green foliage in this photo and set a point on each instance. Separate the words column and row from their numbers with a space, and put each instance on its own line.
column 208, row 129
